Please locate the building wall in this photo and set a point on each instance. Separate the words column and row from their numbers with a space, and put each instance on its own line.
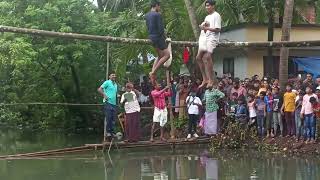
column 255, row 62
column 241, row 66
column 249, row 62
column 218, row 63
column 297, row 33
column 240, row 62
column 238, row 35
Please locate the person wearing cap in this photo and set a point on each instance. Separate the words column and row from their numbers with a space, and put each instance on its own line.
column 208, row 41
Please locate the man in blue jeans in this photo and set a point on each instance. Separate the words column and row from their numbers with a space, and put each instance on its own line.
column 109, row 91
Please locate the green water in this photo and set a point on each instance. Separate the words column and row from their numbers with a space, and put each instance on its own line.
column 151, row 164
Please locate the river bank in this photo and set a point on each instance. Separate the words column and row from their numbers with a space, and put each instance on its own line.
column 289, row 145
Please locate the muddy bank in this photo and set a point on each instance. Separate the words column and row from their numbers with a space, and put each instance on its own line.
column 289, row 145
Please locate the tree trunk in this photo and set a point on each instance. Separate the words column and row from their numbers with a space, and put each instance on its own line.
column 284, row 52
column 193, row 19
column 270, row 7
column 100, row 5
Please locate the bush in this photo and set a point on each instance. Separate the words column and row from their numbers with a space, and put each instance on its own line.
column 237, row 136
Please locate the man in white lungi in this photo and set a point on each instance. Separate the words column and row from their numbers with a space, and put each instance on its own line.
column 160, row 110
column 208, row 40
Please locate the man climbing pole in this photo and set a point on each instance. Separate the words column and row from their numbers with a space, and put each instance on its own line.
column 208, row 40
column 157, row 36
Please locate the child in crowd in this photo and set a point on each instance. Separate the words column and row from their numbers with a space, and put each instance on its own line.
column 252, row 110
column 241, row 115
column 288, row 109
column 308, row 115
column 298, row 120
column 318, row 92
column 316, row 110
column 193, row 103
column 256, row 85
column 276, row 115
column 232, row 103
column 268, row 99
column 261, row 113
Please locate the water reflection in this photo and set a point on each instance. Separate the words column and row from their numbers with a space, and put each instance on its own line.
column 145, row 164
column 203, row 165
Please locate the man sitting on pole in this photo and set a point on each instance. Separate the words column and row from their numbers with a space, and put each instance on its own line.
column 157, row 36
column 208, row 40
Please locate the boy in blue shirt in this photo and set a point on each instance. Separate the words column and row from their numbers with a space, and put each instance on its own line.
column 268, row 99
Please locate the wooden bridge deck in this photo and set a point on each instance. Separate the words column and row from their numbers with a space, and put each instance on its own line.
column 172, row 144
column 148, row 144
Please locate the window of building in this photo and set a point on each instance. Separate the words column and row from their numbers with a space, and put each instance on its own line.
column 228, row 66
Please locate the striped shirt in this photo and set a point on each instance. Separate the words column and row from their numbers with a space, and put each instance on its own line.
column 159, row 98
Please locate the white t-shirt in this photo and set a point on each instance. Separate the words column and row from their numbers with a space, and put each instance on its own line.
column 214, row 21
column 131, row 105
column 192, row 108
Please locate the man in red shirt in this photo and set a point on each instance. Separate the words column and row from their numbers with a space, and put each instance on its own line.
column 160, row 110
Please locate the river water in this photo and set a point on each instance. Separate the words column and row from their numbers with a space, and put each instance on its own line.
column 143, row 164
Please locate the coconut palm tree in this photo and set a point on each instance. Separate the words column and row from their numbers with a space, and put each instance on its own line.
column 193, row 18
column 284, row 52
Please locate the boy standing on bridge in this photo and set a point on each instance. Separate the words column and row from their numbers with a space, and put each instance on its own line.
column 156, row 35
column 160, row 111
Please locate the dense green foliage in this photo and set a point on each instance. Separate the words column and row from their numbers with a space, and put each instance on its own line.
column 39, row 69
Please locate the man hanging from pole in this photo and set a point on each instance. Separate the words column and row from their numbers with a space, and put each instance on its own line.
column 208, row 40
column 156, row 35
column 109, row 91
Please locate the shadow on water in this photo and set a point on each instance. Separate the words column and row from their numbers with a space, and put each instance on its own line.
column 184, row 164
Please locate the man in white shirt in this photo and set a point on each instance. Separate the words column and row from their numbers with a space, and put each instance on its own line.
column 132, row 109
column 193, row 104
column 208, row 40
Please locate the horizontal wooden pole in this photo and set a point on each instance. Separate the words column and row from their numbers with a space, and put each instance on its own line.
column 85, row 36
column 146, row 41
column 66, row 104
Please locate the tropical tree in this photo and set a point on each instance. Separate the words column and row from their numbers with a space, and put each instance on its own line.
column 284, row 52
column 193, row 19
column 50, row 69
